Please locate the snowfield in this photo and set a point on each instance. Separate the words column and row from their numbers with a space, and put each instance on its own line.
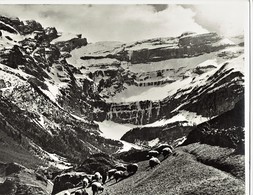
column 114, row 130
column 156, row 93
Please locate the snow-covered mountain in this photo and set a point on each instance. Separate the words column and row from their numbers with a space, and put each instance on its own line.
column 69, row 96
column 152, row 83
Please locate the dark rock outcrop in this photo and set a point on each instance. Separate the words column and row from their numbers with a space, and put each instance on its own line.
column 30, row 26
column 7, row 28
column 66, row 181
column 167, row 133
column 226, row 130
column 67, row 46
column 51, row 33
column 99, row 162
column 12, row 57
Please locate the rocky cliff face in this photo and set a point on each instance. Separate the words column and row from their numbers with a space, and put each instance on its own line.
column 44, row 100
column 219, row 93
column 194, row 83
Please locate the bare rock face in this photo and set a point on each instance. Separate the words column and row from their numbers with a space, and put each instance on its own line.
column 142, row 112
column 12, row 57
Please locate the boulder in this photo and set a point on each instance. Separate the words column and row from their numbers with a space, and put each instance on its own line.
column 51, row 33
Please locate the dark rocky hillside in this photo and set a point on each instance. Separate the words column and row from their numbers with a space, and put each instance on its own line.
column 20, row 180
column 226, row 130
column 44, row 107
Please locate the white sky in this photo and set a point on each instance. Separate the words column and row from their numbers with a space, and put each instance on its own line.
column 135, row 22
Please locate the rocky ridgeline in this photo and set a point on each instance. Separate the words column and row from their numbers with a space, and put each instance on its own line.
column 50, row 103
column 36, row 56
column 186, row 46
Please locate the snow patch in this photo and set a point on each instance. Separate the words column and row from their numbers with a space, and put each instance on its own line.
column 102, row 48
column 153, row 142
column 58, row 161
column 41, row 121
column 14, row 72
column 52, row 91
column 176, row 67
column 114, row 130
column 12, row 79
column 127, row 146
column 224, row 41
column 233, row 49
column 208, row 63
column 79, row 118
column 153, row 44
column 236, row 64
column 179, row 141
column 191, row 118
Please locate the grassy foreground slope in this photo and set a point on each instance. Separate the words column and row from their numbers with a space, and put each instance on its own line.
column 193, row 169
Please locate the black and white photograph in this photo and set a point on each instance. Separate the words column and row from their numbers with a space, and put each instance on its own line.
column 125, row 98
